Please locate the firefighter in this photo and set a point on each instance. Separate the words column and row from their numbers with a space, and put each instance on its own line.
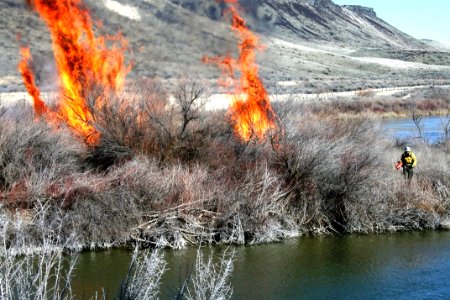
column 409, row 162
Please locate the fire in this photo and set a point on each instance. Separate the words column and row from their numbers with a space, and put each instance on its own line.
column 251, row 113
column 84, row 62
column 28, row 79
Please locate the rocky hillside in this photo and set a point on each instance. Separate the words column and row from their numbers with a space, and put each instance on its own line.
column 314, row 20
column 314, row 42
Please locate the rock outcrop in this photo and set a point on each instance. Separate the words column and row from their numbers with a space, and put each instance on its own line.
column 361, row 10
column 172, row 36
column 313, row 20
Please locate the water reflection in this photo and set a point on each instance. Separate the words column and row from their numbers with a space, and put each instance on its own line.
column 99, row 272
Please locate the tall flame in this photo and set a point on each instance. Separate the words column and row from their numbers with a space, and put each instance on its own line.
column 251, row 113
column 28, row 79
column 83, row 60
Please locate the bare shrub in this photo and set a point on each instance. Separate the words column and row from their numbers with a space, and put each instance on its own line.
column 144, row 276
column 33, row 264
column 415, row 206
column 188, row 94
column 138, row 201
column 28, row 147
column 255, row 210
column 177, row 205
column 332, row 169
column 434, row 176
column 210, row 280
column 99, row 210
column 145, row 120
column 434, row 92
column 46, row 275
column 377, row 105
column 445, row 125
column 134, row 122
column 39, row 228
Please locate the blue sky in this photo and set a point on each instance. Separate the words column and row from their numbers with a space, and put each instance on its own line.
column 419, row 18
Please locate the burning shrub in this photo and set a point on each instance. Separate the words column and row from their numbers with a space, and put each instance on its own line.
column 250, row 112
column 325, row 175
column 83, row 60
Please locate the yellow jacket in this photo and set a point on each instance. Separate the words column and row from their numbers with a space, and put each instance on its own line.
column 409, row 159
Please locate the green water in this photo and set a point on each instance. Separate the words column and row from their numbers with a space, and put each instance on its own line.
column 390, row 266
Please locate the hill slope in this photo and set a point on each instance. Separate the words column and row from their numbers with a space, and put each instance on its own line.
column 311, row 43
column 315, row 20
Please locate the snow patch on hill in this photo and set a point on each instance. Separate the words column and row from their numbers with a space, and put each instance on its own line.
column 128, row 11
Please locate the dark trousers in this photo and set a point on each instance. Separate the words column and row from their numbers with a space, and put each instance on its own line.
column 408, row 171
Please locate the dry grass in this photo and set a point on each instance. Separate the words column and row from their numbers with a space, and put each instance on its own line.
column 28, row 148
column 386, row 106
column 166, row 174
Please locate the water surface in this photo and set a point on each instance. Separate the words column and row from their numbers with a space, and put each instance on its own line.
column 389, row 266
column 404, row 128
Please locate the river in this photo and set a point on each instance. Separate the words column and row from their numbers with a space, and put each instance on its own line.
column 405, row 129
column 388, row 266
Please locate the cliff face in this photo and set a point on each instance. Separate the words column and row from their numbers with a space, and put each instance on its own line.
column 361, row 10
column 313, row 20
column 172, row 36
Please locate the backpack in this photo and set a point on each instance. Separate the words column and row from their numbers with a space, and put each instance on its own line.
column 407, row 158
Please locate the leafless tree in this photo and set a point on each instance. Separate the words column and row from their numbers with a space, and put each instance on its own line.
column 445, row 124
column 417, row 117
column 188, row 94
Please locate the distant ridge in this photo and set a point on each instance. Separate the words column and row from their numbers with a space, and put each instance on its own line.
column 311, row 44
column 438, row 45
column 315, row 20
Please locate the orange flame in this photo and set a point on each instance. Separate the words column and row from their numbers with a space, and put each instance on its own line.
column 28, row 79
column 251, row 113
column 83, row 61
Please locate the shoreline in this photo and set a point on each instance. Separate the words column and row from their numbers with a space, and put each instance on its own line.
column 443, row 226
column 175, row 236
column 390, row 115
column 151, row 184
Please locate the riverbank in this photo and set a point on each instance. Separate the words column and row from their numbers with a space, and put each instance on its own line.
column 424, row 102
column 171, row 183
